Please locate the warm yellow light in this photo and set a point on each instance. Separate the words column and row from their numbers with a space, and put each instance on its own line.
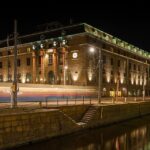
column 108, row 77
column 75, row 78
column 65, row 67
column 23, row 80
column 46, row 56
column 28, row 80
column 50, row 50
column 92, row 50
column 121, row 78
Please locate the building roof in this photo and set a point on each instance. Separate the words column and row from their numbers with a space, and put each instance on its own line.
column 74, row 29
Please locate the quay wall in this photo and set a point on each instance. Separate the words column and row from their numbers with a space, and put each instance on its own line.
column 21, row 127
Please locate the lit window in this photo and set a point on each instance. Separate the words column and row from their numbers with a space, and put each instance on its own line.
column 28, row 50
column 50, row 59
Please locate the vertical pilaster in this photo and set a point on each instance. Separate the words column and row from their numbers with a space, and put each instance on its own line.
column 33, row 67
column 55, row 65
column 42, row 66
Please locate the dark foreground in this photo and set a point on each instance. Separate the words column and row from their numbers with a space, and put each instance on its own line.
column 131, row 135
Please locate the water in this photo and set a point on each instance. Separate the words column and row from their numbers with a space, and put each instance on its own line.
column 130, row 135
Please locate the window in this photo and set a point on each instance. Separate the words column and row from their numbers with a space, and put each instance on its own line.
column 9, row 52
column 9, row 65
column 134, row 66
column 103, row 71
column 18, row 62
column 9, row 77
column 104, row 59
column 19, row 51
column 129, row 66
column 112, row 72
column 39, row 60
column 112, row 61
column 28, row 50
column 61, row 59
column 118, row 63
column 50, row 59
column 1, row 65
column 28, row 61
column 139, row 68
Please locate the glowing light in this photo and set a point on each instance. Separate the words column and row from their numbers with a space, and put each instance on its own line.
column 136, row 80
column 41, row 79
column 28, row 80
column 92, row 50
column 124, row 89
column 108, row 77
column 50, row 50
column 64, row 42
column 141, row 81
column 65, row 67
column 4, row 78
column 42, row 45
column 90, row 77
column 23, row 80
column 104, row 89
column 54, row 43
column 121, row 78
column 75, row 55
column 75, row 78
column 33, row 47
column 132, row 79
column 46, row 56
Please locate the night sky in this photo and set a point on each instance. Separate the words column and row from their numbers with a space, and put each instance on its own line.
column 130, row 22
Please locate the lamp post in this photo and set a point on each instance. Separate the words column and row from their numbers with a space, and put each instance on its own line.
column 99, row 77
column 92, row 50
column 14, row 85
column 143, row 86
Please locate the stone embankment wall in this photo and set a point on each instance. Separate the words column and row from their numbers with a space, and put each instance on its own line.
column 19, row 127
column 24, row 127
column 108, row 114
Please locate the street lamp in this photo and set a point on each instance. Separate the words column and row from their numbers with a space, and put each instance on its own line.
column 92, row 50
column 143, row 87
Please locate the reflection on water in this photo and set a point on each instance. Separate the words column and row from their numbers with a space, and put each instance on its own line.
column 131, row 135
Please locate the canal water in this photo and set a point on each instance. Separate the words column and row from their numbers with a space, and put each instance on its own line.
column 129, row 135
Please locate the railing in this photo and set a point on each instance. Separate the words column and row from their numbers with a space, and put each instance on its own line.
column 66, row 101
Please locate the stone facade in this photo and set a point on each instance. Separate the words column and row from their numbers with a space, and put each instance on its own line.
column 67, row 60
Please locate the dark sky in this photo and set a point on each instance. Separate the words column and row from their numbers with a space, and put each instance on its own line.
column 130, row 22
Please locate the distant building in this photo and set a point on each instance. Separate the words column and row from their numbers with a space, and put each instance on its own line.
column 64, row 56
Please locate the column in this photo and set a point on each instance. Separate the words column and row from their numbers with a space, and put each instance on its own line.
column 64, row 63
column 34, row 67
column 42, row 66
column 55, row 65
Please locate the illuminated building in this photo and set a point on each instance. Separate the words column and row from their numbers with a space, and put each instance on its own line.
column 63, row 56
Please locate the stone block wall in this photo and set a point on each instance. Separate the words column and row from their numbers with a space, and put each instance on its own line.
column 21, row 128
